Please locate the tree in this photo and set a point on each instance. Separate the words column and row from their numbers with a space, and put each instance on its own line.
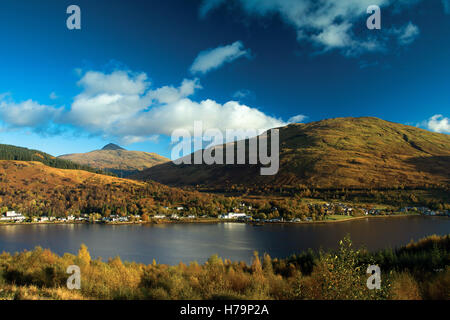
column 83, row 254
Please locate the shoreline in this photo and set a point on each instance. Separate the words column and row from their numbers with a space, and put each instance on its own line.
column 212, row 221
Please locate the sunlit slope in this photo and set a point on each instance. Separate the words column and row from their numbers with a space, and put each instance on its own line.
column 343, row 152
column 118, row 161
column 34, row 189
column 33, row 175
column 10, row 152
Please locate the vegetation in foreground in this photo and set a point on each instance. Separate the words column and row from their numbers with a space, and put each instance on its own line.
column 419, row 270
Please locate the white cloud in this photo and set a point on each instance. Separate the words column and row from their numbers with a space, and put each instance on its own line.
column 169, row 94
column 439, row 123
column 131, row 111
column 297, row 119
column 117, row 82
column 334, row 36
column 26, row 114
column 241, row 94
column 406, row 34
column 53, row 96
column 328, row 24
column 214, row 58
column 126, row 140
column 122, row 105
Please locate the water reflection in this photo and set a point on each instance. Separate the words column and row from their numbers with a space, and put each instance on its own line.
column 171, row 243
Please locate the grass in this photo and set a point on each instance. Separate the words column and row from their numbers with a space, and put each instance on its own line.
column 338, row 217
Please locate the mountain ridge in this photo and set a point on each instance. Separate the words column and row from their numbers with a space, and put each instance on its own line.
column 115, row 159
column 364, row 152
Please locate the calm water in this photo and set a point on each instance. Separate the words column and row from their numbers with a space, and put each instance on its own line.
column 172, row 243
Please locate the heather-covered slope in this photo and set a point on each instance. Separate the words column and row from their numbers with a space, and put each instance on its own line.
column 343, row 152
column 35, row 189
column 117, row 160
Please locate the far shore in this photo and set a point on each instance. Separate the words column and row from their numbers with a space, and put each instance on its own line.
column 210, row 220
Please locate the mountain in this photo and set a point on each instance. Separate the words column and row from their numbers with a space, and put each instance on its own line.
column 361, row 152
column 112, row 146
column 9, row 152
column 115, row 159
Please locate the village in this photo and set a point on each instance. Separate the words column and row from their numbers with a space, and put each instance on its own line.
column 243, row 213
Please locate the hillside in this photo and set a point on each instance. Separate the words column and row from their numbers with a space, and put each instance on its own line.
column 115, row 159
column 33, row 188
column 343, row 152
column 9, row 152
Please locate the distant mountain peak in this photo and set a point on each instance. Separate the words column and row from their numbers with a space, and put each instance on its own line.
column 112, row 146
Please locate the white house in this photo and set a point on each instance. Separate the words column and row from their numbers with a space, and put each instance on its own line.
column 13, row 216
column 232, row 215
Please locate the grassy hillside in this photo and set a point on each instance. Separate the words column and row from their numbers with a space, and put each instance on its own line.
column 344, row 152
column 35, row 189
column 9, row 152
column 119, row 161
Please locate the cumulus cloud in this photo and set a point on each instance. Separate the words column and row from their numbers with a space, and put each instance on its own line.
column 28, row 113
column 117, row 82
column 169, row 94
column 214, row 58
column 327, row 24
column 439, row 123
column 123, row 105
column 108, row 98
column 297, row 119
column 132, row 111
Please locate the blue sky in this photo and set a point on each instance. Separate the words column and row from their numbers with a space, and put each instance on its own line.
column 139, row 69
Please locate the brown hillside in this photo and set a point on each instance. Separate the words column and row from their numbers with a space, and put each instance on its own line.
column 118, row 161
column 342, row 152
column 29, row 174
column 33, row 188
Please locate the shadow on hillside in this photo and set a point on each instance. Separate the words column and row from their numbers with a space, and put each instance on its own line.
column 193, row 174
column 438, row 165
